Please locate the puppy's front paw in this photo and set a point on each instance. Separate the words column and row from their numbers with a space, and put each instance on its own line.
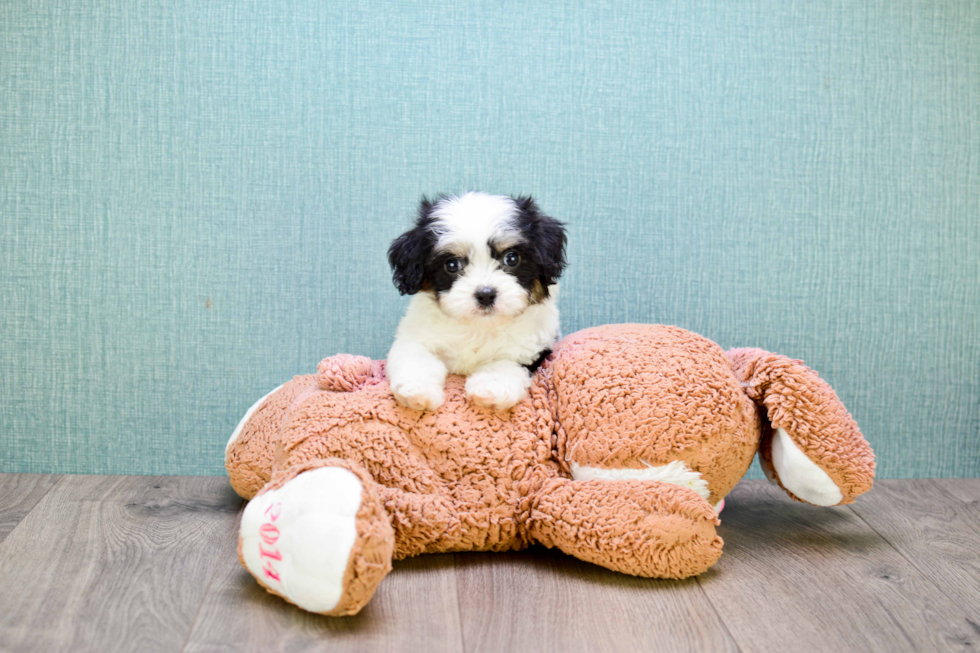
column 418, row 395
column 497, row 391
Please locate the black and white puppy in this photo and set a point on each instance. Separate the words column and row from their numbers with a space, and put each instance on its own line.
column 483, row 272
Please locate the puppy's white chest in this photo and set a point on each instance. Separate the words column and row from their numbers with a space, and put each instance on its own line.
column 467, row 355
column 465, row 347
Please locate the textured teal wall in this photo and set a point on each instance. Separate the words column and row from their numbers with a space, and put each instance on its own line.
column 196, row 197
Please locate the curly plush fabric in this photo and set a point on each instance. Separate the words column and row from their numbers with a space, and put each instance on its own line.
column 632, row 396
column 636, row 527
column 629, row 436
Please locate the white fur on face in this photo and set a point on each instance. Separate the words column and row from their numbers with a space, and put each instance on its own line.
column 466, row 226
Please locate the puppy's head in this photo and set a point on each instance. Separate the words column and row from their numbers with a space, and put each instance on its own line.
column 480, row 255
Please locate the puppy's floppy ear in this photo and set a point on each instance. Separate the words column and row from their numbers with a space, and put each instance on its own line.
column 548, row 237
column 408, row 253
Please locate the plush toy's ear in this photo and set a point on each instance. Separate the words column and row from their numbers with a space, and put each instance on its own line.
column 548, row 235
column 408, row 253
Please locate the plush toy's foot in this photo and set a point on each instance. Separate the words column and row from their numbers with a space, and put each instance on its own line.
column 319, row 537
column 815, row 450
column 642, row 528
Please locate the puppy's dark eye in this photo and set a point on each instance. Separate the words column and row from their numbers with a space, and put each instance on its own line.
column 453, row 266
column 512, row 259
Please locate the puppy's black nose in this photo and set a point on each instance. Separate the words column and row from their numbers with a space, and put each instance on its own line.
column 485, row 297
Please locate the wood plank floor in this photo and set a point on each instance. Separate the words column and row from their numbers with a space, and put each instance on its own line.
column 90, row 563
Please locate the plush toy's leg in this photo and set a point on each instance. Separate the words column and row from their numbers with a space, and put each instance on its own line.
column 423, row 523
column 643, row 528
column 814, row 449
column 318, row 535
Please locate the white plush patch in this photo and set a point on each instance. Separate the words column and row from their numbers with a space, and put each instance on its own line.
column 248, row 415
column 298, row 539
column 800, row 475
column 676, row 473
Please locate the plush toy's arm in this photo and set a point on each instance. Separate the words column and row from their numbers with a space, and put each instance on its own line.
column 814, row 449
column 251, row 451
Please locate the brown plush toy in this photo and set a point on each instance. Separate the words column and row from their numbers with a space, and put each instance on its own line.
column 629, row 439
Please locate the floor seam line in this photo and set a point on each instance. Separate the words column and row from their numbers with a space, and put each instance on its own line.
column 459, row 606
column 714, row 609
column 935, row 483
column 34, row 507
column 207, row 590
column 922, row 573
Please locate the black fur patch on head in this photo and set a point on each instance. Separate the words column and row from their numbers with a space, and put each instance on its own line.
column 409, row 253
column 415, row 266
column 528, row 271
column 543, row 247
column 437, row 278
